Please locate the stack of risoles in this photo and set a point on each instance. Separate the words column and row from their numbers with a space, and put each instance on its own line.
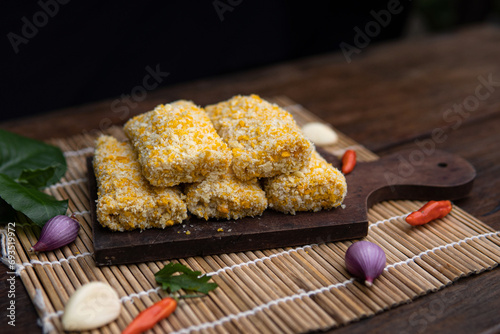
column 229, row 160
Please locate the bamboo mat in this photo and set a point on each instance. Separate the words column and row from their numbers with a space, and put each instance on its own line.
column 286, row 290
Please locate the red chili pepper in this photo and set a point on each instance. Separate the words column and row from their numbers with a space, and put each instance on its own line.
column 150, row 316
column 348, row 161
column 429, row 212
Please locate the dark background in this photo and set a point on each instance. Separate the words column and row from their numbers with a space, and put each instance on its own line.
column 90, row 50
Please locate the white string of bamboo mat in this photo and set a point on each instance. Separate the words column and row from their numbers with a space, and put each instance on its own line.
column 67, row 183
column 22, row 266
column 80, row 152
column 44, row 321
column 300, row 295
column 80, row 213
column 248, row 263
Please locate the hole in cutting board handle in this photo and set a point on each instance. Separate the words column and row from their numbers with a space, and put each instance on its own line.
column 442, row 164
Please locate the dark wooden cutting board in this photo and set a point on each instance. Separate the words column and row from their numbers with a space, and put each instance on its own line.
column 404, row 175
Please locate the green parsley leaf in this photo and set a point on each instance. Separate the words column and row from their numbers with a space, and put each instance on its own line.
column 188, row 280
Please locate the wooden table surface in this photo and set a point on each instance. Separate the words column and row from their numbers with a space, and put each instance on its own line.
column 435, row 92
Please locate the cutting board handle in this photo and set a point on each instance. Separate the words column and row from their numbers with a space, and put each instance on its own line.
column 413, row 175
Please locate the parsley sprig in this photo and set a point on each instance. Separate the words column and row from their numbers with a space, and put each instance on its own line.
column 176, row 276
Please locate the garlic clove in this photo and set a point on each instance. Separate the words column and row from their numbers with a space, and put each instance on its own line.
column 365, row 260
column 93, row 305
column 319, row 133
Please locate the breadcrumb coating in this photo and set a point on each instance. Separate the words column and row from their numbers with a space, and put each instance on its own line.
column 177, row 143
column 125, row 199
column 263, row 137
column 315, row 187
column 225, row 196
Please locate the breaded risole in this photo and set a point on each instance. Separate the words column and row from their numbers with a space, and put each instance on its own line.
column 176, row 143
column 264, row 138
column 125, row 199
column 225, row 196
column 315, row 187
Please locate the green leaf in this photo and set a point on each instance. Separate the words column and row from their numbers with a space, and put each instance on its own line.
column 27, row 165
column 18, row 153
column 37, row 178
column 187, row 280
column 36, row 205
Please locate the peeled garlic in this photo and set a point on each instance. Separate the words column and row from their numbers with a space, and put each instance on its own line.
column 92, row 305
column 320, row 133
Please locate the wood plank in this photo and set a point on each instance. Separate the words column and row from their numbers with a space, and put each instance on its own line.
column 25, row 314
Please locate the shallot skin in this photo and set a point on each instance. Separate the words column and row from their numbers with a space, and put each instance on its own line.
column 365, row 260
column 57, row 232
